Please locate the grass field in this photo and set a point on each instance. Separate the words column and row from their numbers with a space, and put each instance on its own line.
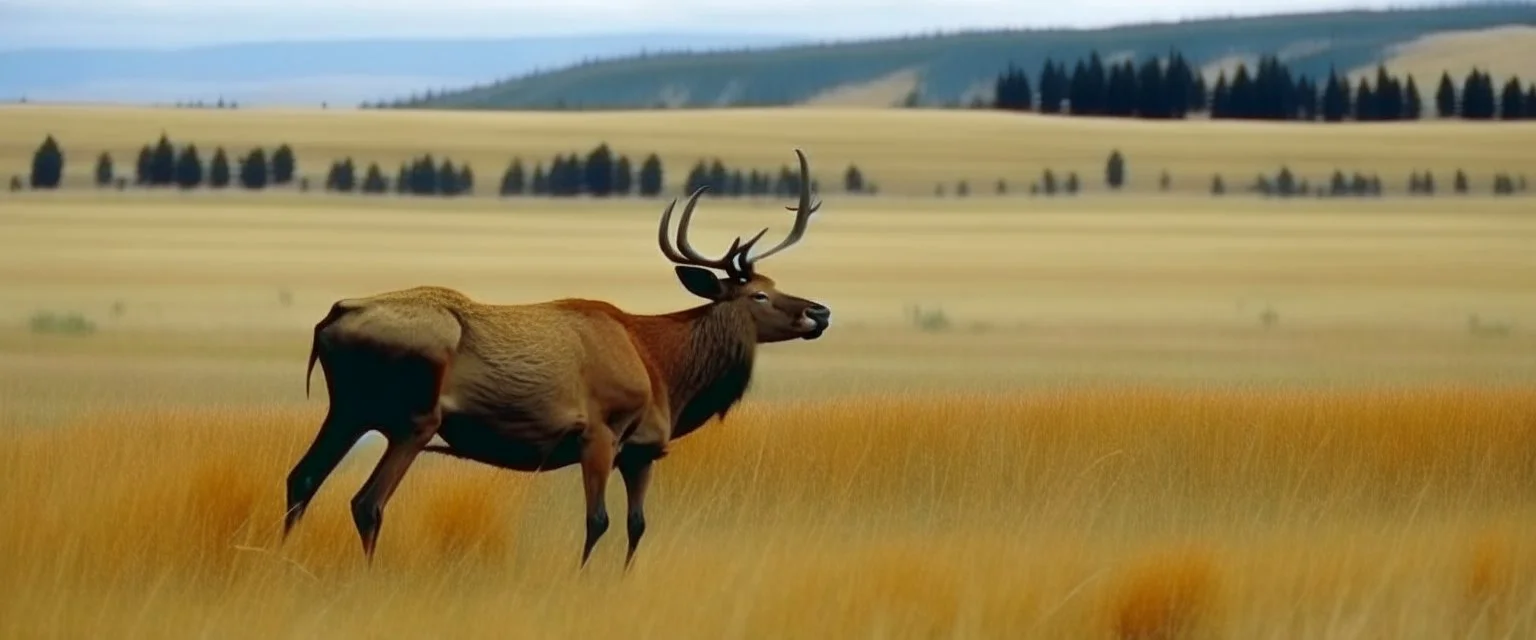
column 906, row 152
column 1139, row 417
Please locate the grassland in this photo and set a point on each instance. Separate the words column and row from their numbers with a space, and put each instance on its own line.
column 905, row 152
column 1125, row 417
column 1107, row 440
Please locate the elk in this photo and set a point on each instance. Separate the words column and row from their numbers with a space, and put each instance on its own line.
column 540, row 386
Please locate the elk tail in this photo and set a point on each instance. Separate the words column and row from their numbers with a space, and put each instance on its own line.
column 314, row 343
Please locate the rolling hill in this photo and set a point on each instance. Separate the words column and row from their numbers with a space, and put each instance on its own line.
column 953, row 68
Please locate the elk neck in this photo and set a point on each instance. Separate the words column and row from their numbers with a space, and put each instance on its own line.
column 705, row 356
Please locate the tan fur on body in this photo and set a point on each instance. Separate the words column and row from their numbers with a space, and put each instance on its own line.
column 541, row 386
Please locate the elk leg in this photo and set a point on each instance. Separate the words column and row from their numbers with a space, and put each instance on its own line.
column 597, row 447
column 335, row 438
column 635, row 468
column 368, row 504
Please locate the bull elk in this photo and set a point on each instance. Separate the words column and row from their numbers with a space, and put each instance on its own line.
column 537, row 387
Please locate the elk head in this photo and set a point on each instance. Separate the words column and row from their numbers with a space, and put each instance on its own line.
column 778, row 316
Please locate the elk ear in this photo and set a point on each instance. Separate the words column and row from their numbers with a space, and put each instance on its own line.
column 700, row 282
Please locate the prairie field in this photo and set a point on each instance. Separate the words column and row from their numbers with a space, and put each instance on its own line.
column 904, row 151
column 1132, row 416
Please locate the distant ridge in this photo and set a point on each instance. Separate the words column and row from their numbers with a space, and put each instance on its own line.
column 954, row 67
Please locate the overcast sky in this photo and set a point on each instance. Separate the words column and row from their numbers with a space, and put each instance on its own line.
column 27, row 23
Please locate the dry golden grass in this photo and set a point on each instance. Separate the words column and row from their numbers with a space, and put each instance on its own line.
column 1126, row 512
column 904, row 151
column 1105, row 443
column 1065, row 292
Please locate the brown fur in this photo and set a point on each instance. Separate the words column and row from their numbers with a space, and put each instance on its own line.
column 541, row 386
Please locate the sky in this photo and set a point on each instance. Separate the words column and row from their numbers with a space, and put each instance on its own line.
column 173, row 23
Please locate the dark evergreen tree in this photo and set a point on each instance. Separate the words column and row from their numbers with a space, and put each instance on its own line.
column 466, row 184
column 1114, row 170
column 218, row 169
column 1078, row 100
column 1512, row 100
column 1365, row 102
column 853, row 180
column 104, row 169
column 1240, row 95
column 758, row 183
column 1121, row 93
column 1095, row 85
column 1478, row 101
column 1413, row 102
column 1338, row 186
column 651, row 176
column 736, row 184
column 1048, row 182
column 1335, row 102
column 448, row 179
column 718, row 179
column 1221, row 97
column 1151, row 95
column 145, row 168
column 403, row 179
column 513, row 181
column 1178, row 86
column 253, row 170
column 1388, row 95
column 342, row 176
column 598, row 171
column 1011, row 91
column 623, row 177
column 698, row 178
column 1445, row 97
column 1460, row 183
column 189, row 168
column 1305, row 97
column 162, row 167
column 373, row 181
column 540, row 183
column 283, row 165
column 47, row 165
column 572, row 176
column 1199, row 97
column 1053, row 87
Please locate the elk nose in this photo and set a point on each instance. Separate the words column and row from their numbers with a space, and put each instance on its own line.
column 818, row 312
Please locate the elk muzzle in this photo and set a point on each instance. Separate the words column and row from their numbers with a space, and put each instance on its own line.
column 815, row 320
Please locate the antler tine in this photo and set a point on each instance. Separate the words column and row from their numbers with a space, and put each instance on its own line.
column 684, row 253
column 802, row 212
column 661, row 235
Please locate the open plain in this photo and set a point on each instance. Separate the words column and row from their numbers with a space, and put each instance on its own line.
column 1128, row 416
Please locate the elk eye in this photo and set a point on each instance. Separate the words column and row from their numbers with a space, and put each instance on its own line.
column 760, row 296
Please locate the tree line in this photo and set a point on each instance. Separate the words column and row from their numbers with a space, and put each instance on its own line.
column 601, row 172
column 1284, row 183
column 1172, row 89
column 163, row 164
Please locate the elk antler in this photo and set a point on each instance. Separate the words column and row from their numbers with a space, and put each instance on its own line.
column 735, row 262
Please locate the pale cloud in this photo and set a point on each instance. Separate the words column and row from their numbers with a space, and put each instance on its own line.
column 181, row 22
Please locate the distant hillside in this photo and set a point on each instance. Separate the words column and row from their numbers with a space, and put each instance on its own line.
column 343, row 72
column 953, row 68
